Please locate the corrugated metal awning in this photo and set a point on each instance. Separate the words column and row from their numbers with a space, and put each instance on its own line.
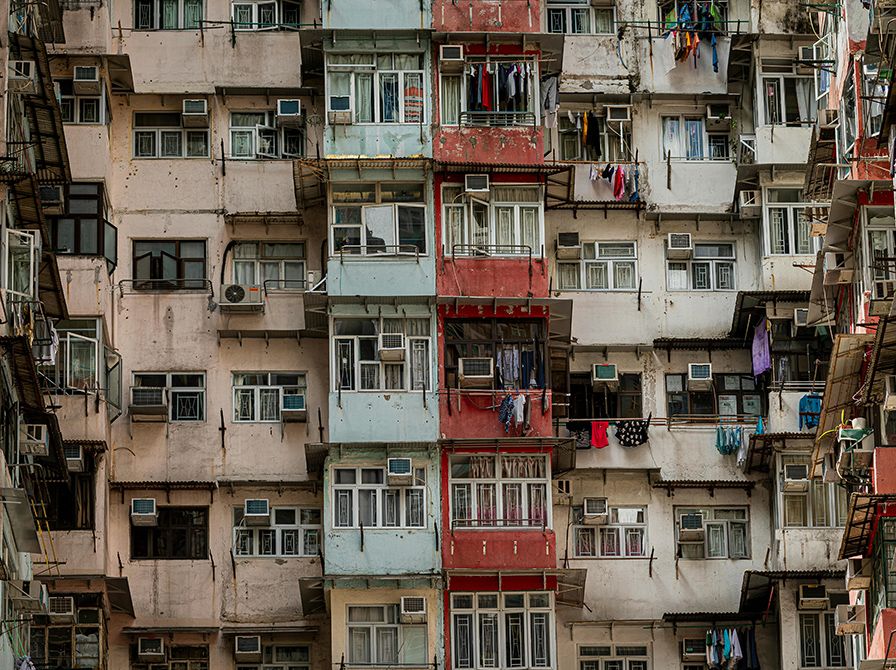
column 861, row 519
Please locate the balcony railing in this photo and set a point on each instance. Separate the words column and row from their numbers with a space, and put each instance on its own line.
column 480, row 250
column 498, row 523
column 379, row 250
column 27, row 318
column 746, row 150
column 497, row 119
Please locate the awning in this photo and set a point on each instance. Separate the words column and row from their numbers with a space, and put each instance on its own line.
column 883, row 358
column 751, row 306
column 117, row 589
column 571, row 587
column 864, row 511
column 492, row 168
column 507, row 443
column 709, row 484
column 119, row 592
column 844, row 371
column 704, row 617
column 757, row 589
column 21, row 520
column 762, row 448
column 821, row 305
column 51, row 28
column 24, row 370
column 822, row 164
column 315, row 456
column 311, row 591
column 199, row 628
column 296, row 628
column 263, row 218
column 670, row 344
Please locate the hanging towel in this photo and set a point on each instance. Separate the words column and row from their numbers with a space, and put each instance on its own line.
column 519, row 409
column 633, row 432
column 810, row 410
column 762, row 357
column 599, row 438
column 505, row 412
column 736, row 651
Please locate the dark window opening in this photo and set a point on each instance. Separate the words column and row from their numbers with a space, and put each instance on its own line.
column 587, row 402
column 169, row 266
column 83, row 229
column 517, row 349
column 181, row 534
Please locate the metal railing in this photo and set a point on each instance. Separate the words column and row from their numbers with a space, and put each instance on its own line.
column 498, row 523
column 746, row 150
column 166, row 285
column 710, row 421
column 474, row 250
column 498, row 119
column 27, row 318
column 380, row 250
column 284, row 285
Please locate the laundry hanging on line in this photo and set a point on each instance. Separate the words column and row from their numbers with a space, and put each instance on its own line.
column 729, row 439
column 732, row 649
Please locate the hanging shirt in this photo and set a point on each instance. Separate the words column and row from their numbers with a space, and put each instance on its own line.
column 599, row 438
column 810, row 410
column 519, row 409
column 762, row 355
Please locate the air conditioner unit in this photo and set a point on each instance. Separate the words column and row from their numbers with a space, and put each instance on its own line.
column 247, row 648
column 476, row 183
column 22, row 76
column 144, row 512
column 828, row 118
column 693, row 649
column 74, row 457
column 413, row 609
column 679, row 246
column 890, row 393
column 690, row 527
column 148, row 403
column 392, row 347
column 858, row 574
column 476, row 372
column 86, row 80
column 812, row 597
column 399, row 471
column 595, row 511
column 618, row 113
column 339, row 118
column 195, row 113
column 293, row 408
column 699, row 376
column 568, row 246
column 34, row 439
column 801, row 317
column 28, row 596
column 849, row 619
column 749, row 201
column 796, row 477
column 718, row 115
column 151, row 648
column 61, row 609
column 52, row 198
column 241, row 298
column 257, row 512
column 451, row 54
column 289, row 113
column 605, row 376
column 806, row 54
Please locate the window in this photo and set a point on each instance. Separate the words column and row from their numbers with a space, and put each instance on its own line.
column 83, row 109
column 160, row 135
column 586, row 402
column 259, row 396
column 624, row 536
column 363, row 499
column 615, row 139
column 491, row 91
column 499, row 491
column 357, row 362
column 22, row 262
column 787, row 225
column 875, row 87
column 849, row 126
column 181, row 533
column 294, row 531
column 185, row 392
column 83, row 230
column 516, row 346
column 385, row 218
column 167, row 14
column 169, row 265
column 609, row 657
column 76, row 367
column 823, row 505
column 70, row 504
column 178, row 658
column 265, row 15
column 789, row 98
column 685, row 137
column 502, row 630
column 510, row 223
column 731, row 395
column 256, row 135
column 605, row 266
column 576, row 18
column 272, row 265
column 880, row 252
column 70, row 645
column 712, row 532
column 375, row 637
column 883, row 578
column 820, row 646
column 711, row 268
column 283, row 657
column 376, row 88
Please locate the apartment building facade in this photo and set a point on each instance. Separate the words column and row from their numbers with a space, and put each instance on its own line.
column 444, row 335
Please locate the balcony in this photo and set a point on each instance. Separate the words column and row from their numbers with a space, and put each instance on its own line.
column 493, row 270
column 468, row 413
column 384, row 270
column 491, row 138
column 516, row 16
column 507, row 545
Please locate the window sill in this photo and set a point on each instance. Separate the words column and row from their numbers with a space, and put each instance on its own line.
column 611, row 558
column 374, row 529
column 600, row 290
column 379, row 391
column 272, row 556
column 167, row 158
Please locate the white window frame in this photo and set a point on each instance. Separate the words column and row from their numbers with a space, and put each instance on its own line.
column 371, row 68
column 256, row 391
column 171, row 391
column 615, row 138
column 835, row 504
column 498, row 484
column 884, row 286
column 382, row 493
column 158, row 131
column 29, row 242
column 569, row 7
column 271, row 661
column 390, row 611
column 619, row 528
column 596, row 259
column 613, row 657
column 368, row 249
column 278, row 532
column 481, row 617
column 785, row 70
column 257, row 263
column 76, row 100
column 158, row 10
column 791, row 209
column 267, row 140
column 680, row 144
column 710, row 520
column 714, row 263
column 825, row 632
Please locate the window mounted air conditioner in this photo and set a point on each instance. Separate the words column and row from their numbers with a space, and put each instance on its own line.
column 144, row 512
column 413, row 609
column 796, row 477
column 690, row 528
column 257, row 512
column 476, row 183
column 194, row 113
column 22, row 76
column 569, row 247
column 828, row 118
column 451, row 57
column 34, row 439
column 74, row 457
column 679, row 246
column 812, row 597
column 595, row 511
column 604, row 376
column 51, row 199
column 749, row 201
column 151, row 648
column 247, row 648
column 476, row 372
column 806, row 54
column 858, row 574
column 618, row 113
column 61, row 609
column 241, row 298
column 801, row 317
column 399, row 471
column 86, row 80
column 392, row 347
column 148, row 403
column 693, row 649
column 289, row 113
column 849, row 619
column 890, row 393
column 28, row 596
column 341, row 118
column 293, row 407
column 699, row 376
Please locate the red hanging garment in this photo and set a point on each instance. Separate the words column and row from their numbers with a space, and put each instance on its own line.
column 599, row 438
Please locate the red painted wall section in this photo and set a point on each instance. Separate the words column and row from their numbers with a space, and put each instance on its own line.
column 486, row 15
column 884, row 470
column 509, row 277
column 474, row 414
column 523, row 146
column 886, row 622
column 499, row 549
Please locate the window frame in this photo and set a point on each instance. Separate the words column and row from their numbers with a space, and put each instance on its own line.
column 377, row 115
column 257, row 389
column 389, row 611
column 156, row 257
column 171, row 390
column 834, row 498
column 613, row 657
column 300, row 528
column 720, row 389
column 106, row 234
column 826, row 640
column 270, row 131
column 792, row 221
column 43, row 659
column 724, row 524
column 713, row 263
column 191, row 531
column 621, row 530
column 156, row 131
column 584, row 264
column 882, row 285
column 680, row 140
column 260, row 259
column 777, row 71
column 70, row 106
column 270, row 661
column 381, row 492
column 569, row 7
column 529, row 117
column 158, row 11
